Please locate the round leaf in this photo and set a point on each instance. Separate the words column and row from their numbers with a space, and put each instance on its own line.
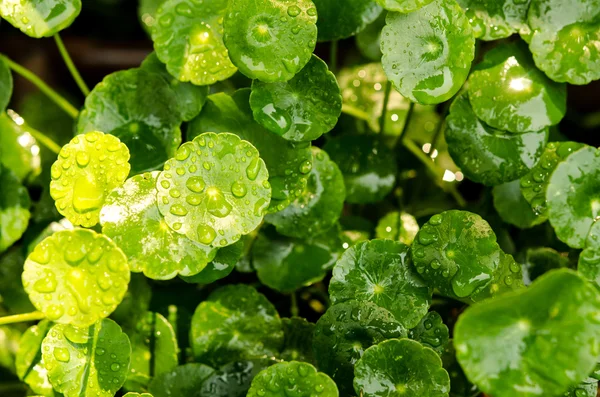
column 140, row 109
column 288, row 163
column 369, row 167
column 380, row 271
column 233, row 379
column 131, row 218
column 397, row 226
column 486, row 155
column 509, row 93
column 404, row 6
column 512, row 206
column 87, row 169
column 298, row 340
column 321, row 204
column 495, row 19
column 276, row 381
column 234, row 323
column 40, row 18
column 20, row 151
column 188, row 38
column 6, row 84
column 14, row 208
column 344, row 332
column 30, row 363
column 369, row 40
column 301, row 109
column 401, row 367
column 76, row 277
column 270, row 40
column 431, row 332
column 184, row 380
column 220, row 267
column 215, row 190
column 337, row 22
column 427, row 54
column 524, row 343
column 87, row 361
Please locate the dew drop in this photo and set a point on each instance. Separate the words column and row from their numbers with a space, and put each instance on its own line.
column 294, row 11
column 253, row 168
column 83, row 159
column 61, row 354
column 178, row 209
column 206, row 234
column 238, row 189
column 195, row 184
column 47, row 284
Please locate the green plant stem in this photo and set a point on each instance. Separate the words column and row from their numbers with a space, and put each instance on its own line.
column 409, row 113
column 44, row 140
column 355, row 112
column 333, row 55
column 70, row 65
column 386, row 101
column 294, row 308
column 20, row 318
column 35, row 80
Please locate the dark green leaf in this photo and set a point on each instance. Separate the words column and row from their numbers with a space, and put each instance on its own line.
column 14, row 208
column 6, row 84
column 541, row 260
column 336, row 22
column 221, row 266
column 274, row 381
column 12, row 293
column 297, row 340
column 512, row 206
column 431, row 332
column 233, row 379
column 369, row 40
column 185, row 380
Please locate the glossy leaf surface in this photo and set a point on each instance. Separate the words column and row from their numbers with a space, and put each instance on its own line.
column 271, row 382
column 298, row 340
column 397, row 226
column 337, row 22
column 185, row 380
column 20, row 151
column 233, row 379
column 513, row 208
column 29, row 361
column 6, row 85
column 14, row 208
column 431, row 332
column 221, row 266
column 40, row 18
column 589, row 259
column 495, row 19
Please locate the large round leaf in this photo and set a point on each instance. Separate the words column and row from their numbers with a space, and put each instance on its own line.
column 87, row 169
column 288, row 163
column 336, row 22
column 40, row 18
column 564, row 38
column 368, row 166
column 185, row 380
column 233, row 379
column 86, row 362
column 524, row 343
column 431, row 332
column 221, row 266
column 19, row 150
column 401, row 367
column 344, row 332
column 215, row 190
column 14, row 209
column 380, row 271
column 573, row 196
column 427, row 54
column 130, row 217
column 404, row 6
column 397, row 226
column 140, row 109
column 509, row 93
column 495, row 19
column 188, row 38
column 234, row 323
column 29, row 361
column 513, row 208
column 6, row 84
column 301, row 109
column 76, row 277
column 292, row 379
column 487, row 155
column 270, row 40
column 321, row 204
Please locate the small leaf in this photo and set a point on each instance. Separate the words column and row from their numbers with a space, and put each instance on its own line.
column 512, row 206
column 188, row 38
column 431, row 332
column 185, row 380
column 301, row 109
column 29, row 360
column 215, row 190
column 235, row 323
column 233, row 379
column 495, row 19
column 86, row 362
column 541, row 260
column 76, row 277
column 404, row 6
column 523, row 344
column 130, row 217
column 20, row 151
column 369, row 40
column 221, row 266
column 345, row 331
column 40, row 18
column 336, row 22
column 589, row 259
column 6, row 84
column 397, row 226
column 427, row 54
column 14, row 208
column 298, row 340
column 274, row 381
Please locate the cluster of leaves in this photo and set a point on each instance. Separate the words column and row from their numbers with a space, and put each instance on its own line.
column 234, row 147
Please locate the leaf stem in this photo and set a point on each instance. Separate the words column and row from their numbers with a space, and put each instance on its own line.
column 71, row 66
column 409, row 113
column 35, row 80
column 19, row 318
column 386, row 101
column 44, row 140
column 355, row 112
column 294, row 308
column 333, row 56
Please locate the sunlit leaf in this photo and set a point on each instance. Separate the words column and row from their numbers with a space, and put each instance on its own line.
column 29, row 360
column 40, row 18
column 14, row 208
column 495, row 19
column 397, row 226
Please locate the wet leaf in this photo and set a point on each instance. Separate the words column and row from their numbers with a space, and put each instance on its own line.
column 233, row 379
column 404, row 6
column 292, row 379
column 298, row 340
column 221, row 266
column 19, row 150
column 589, row 259
column 397, row 226
column 337, row 22
column 495, row 19
column 185, row 380
column 431, row 332
column 6, row 84
column 40, row 18
column 29, row 360
column 512, row 206
column 14, row 208
column 147, row 13
column 369, row 40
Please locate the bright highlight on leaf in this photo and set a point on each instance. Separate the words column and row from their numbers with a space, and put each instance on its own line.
column 6, row 85
column 40, row 18
column 29, row 363
column 495, row 19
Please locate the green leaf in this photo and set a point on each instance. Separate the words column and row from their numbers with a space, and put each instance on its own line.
column 130, row 217
column 40, row 18
column 215, row 190
column 235, row 323
column 19, row 151
column 380, row 271
column 153, row 351
column 509, row 93
column 301, row 109
column 233, row 379
column 6, row 84
column 147, row 13
column 427, row 54
column 404, row 6
column 298, row 340
column 573, row 196
column 337, row 22
column 9, row 345
column 29, row 360
column 185, row 380
column 132, row 394
column 86, row 362
column 188, row 38
column 495, row 19
column 369, row 40
column 587, row 388
column 345, row 331
column 564, row 33
column 369, row 167
column 535, row 183
column 76, row 277
column 53, row 227
column 270, row 40
column 288, row 163
column 140, row 109
column 274, row 381
column 14, row 208
column 135, row 303
column 397, row 226
column 221, row 266
column 541, row 260
column 401, row 367
column 512, row 206
column 320, row 205
column 190, row 98
column 523, row 344
column 431, row 332
column 487, row 155
column 87, row 169
column 14, row 298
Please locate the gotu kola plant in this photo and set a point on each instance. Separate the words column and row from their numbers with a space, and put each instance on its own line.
column 304, row 198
